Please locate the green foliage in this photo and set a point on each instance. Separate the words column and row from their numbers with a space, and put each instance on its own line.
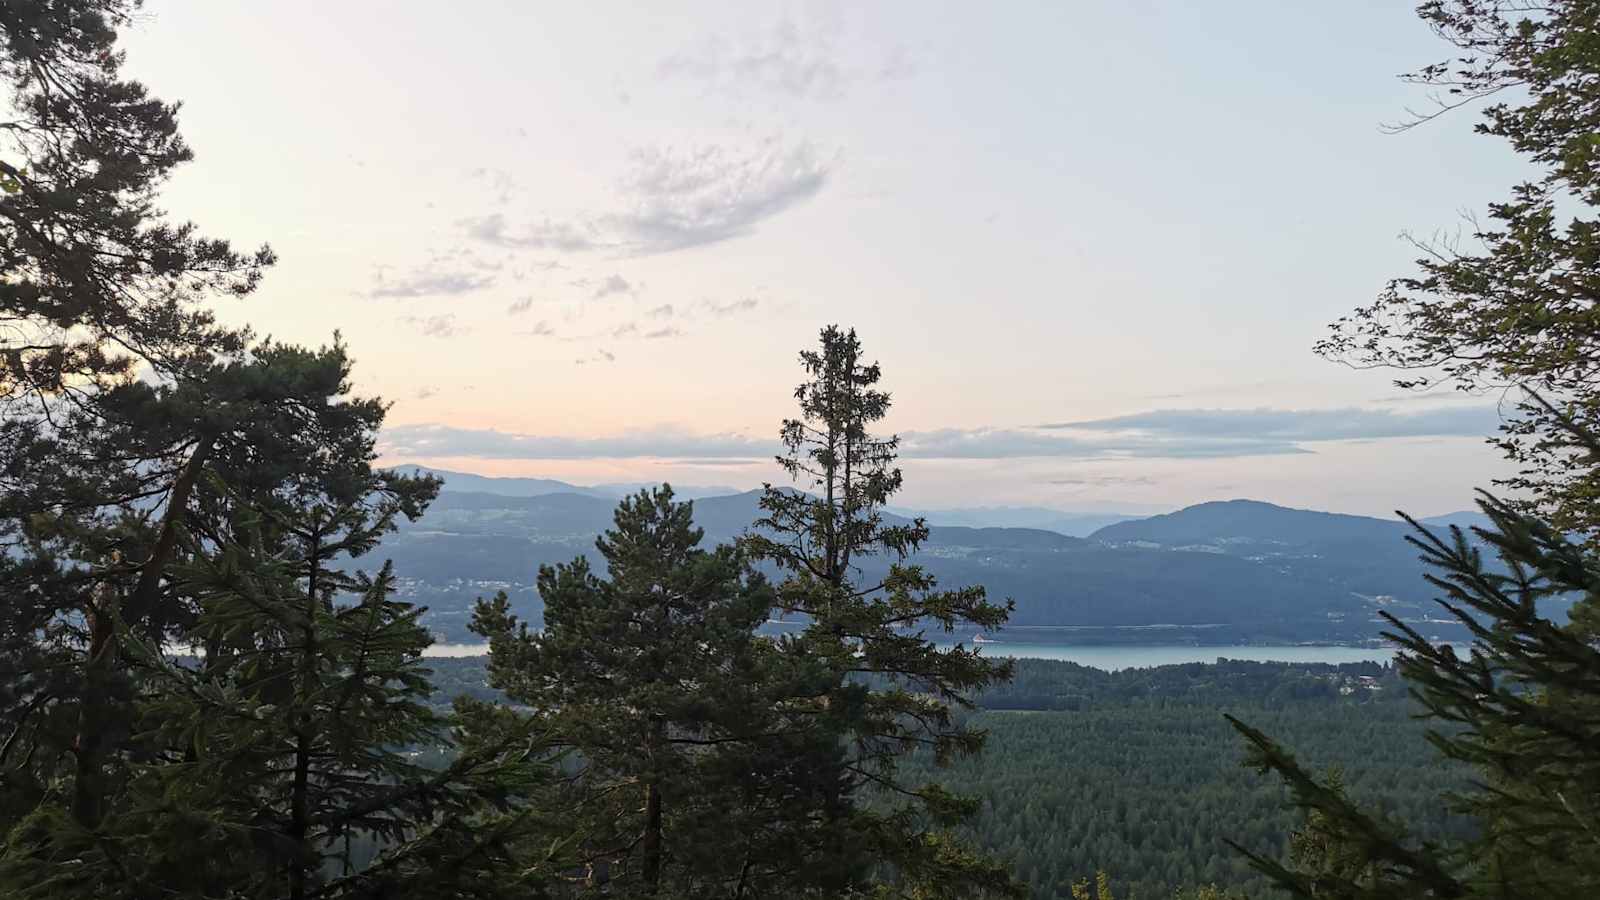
column 255, row 767
column 1102, row 888
column 1137, row 772
column 863, row 632
column 99, row 472
column 94, row 280
column 689, row 779
column 1522, row 708
column 258, row 442
column 1518, row 309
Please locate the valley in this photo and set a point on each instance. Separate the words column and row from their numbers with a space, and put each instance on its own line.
column 1227, row 573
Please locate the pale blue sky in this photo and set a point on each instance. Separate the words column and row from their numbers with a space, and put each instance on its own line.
column 586, row 240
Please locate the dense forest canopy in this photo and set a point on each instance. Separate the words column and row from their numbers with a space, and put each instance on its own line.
column 1137, row 774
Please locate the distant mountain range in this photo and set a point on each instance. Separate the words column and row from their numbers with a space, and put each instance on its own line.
column 511, row 486
column 1075, row 524
column 1251, row 522
column 1220, row 572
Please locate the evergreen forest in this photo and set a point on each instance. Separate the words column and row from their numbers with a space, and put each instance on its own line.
column 214, row 684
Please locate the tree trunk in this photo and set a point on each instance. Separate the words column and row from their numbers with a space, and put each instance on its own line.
column 94, row 714
column 145, row 594
column 652, row 811
column 299, row 804
column 652, row 839
column 298, row 818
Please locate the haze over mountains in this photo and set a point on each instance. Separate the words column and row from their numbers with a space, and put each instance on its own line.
column 512, row 486
column 1218, row 572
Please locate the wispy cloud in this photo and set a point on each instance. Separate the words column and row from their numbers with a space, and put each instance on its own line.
column 498, row 181
column 674, row 199
column 734, row 307
column 790, row 59
column 1102, row 481
column 428, row 281
column 952, row 443
column 598, row 356
column 1012, row 443
column 1296, row 425
column 710, row 194
column 666, row 443
column 542, row 328
column 546, row 234
column 518, row 307
column 612, row 285
column 440, row 326
column 652, row 324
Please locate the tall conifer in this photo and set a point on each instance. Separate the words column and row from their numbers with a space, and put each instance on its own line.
column 890, row 689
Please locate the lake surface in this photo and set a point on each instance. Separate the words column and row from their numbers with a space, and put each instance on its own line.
column 1112, row 658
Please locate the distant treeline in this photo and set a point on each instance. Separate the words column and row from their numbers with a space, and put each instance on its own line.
column 1043, row 684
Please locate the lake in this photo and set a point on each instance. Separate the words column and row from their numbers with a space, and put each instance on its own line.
column 1112, row 658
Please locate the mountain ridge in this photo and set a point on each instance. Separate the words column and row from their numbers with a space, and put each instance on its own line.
column 1227, row 570
column 1249, row 519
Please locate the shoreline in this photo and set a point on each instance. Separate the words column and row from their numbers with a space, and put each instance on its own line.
column 1113, row 656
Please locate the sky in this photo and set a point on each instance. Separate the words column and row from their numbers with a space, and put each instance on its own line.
column 1091, row 243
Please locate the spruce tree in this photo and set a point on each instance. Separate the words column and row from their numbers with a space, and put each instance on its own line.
column 888, row 689
column 688, row 781
column 1521, row 707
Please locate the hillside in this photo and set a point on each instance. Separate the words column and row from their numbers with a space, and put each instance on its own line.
column 1217, row 572
column 513, row 486
column 1073, row 524
column 1251, row 521
column 509, row 487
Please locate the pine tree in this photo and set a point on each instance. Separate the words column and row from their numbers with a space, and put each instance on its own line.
column 96, row 280
column 655, row 677
column 256, row 766
column 1522, row 707
column 272, row 428
column 889, row 690
column 136, row 513
column 94, row 284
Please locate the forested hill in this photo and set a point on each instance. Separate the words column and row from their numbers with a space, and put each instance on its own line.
column 1216, row 573
column 1254, row 522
